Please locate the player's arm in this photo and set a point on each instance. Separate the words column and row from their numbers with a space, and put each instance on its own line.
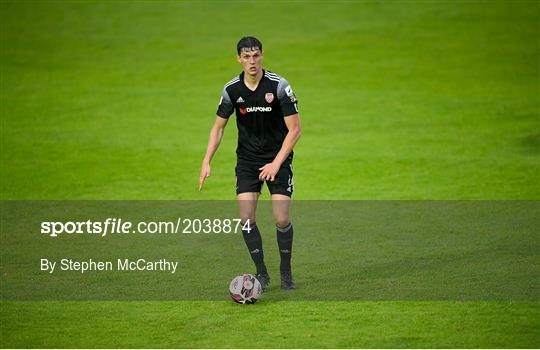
column 216, row 134
column 289, row 106
column 269, row 171
column 293, row 124
column 225, row 109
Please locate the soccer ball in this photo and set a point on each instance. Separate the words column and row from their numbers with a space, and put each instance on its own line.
column 245, row 289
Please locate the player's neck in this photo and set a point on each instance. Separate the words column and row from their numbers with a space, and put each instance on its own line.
column 252, row 81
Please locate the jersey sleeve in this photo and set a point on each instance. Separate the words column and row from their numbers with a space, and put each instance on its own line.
column 225, row 107
column 287, row 99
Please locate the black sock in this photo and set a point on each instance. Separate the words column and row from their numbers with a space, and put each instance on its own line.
column 285, row 240
column 253, row 241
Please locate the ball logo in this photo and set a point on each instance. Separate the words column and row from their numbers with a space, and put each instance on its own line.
column 248, row 284
column 243, row 111
column 269, row 97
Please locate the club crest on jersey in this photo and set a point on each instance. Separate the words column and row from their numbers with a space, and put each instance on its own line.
column 269, row 97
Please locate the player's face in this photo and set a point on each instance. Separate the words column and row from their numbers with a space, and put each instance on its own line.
column 251, row 60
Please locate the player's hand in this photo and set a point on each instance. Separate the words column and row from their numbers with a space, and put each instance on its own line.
column 205, row 172
column 269, row 171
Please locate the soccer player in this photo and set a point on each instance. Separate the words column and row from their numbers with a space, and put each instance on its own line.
column 268, row 128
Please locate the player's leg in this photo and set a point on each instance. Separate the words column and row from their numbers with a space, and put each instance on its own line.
column 247, row 203
column 281, row 189
column 281, row 208
column 248, row 187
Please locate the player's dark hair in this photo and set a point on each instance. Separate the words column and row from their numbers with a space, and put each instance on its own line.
column 248, row 42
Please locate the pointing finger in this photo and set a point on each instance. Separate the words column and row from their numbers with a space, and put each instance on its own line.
column 201, row 183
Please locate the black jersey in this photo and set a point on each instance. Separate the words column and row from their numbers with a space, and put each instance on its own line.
column 259, row 115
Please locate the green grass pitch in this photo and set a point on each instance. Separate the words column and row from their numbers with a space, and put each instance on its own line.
column 398, row 100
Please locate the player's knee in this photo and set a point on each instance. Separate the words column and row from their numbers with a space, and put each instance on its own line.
column 283, row 221
column 246, row 217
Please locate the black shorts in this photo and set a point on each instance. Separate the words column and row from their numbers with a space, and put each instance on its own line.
column 247, row 179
